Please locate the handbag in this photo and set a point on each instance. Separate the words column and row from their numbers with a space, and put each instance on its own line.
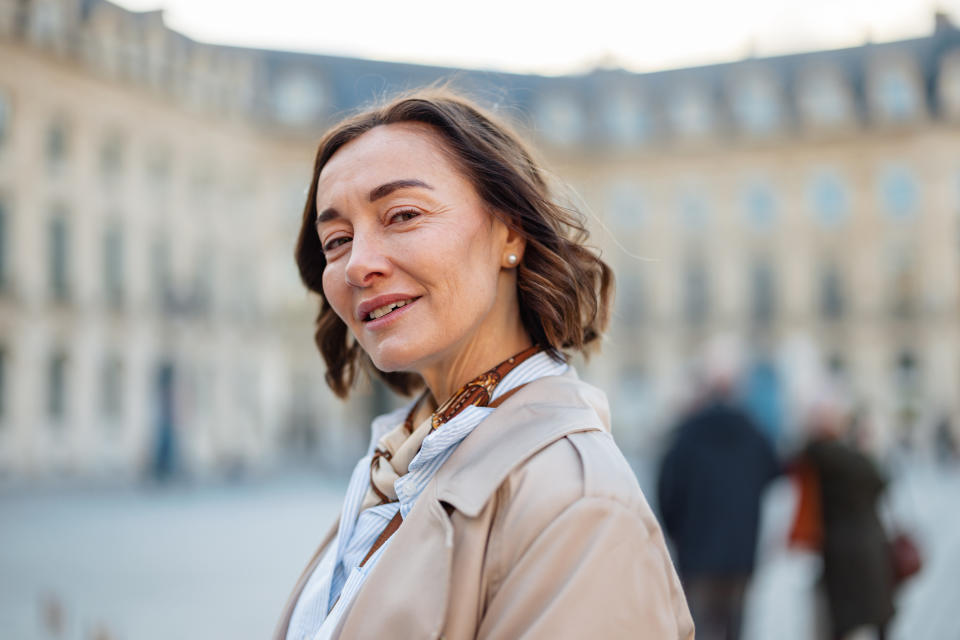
column 904, row 557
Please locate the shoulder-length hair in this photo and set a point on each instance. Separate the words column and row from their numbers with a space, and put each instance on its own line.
column 564, row 287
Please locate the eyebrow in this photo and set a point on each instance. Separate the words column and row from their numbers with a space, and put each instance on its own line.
column 376, row 193
column 386, row 189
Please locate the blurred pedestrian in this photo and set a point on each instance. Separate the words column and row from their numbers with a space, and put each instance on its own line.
column 945, row 442
column 710, row 485
column 857, row 570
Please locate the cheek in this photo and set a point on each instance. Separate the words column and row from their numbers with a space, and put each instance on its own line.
column 335, row 292
column 469, row 278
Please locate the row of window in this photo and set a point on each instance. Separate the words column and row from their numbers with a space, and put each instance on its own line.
column 120, row 44
column 113, row 161
column 832, row 297
column 829, row 197
column 113, row 248
column 753, row 100
column 111, row 389
column 756, row 97
column 59, row 260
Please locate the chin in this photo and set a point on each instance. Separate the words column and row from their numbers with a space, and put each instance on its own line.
column 393, row 360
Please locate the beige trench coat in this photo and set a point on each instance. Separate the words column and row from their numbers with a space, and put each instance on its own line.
column 535, row 527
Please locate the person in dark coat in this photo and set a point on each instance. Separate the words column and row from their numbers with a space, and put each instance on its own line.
column 857, row 571
column 710, row 485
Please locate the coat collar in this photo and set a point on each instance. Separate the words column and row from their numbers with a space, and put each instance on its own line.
column 542, row 412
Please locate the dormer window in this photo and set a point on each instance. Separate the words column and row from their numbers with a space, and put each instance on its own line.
column 626, row 121
column 895, row 92
column 560, row 119
column 298, row 99
column 756, row 104
column 824, row 100
column 691, row 112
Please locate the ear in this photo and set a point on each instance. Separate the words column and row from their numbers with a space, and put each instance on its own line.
column 513, row 248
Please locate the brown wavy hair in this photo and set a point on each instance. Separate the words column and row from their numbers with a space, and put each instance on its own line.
column 564, row 287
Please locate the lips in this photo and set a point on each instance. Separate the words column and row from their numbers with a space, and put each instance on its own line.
column 378, row 307
column 379, row 312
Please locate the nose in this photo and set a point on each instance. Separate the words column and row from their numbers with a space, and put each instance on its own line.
column 367, row 260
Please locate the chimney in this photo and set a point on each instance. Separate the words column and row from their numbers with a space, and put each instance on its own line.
column 942, row 22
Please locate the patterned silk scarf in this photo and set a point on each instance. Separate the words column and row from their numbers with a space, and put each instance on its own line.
column 397, row 448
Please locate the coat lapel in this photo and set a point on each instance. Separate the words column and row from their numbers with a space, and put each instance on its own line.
column 406, row 594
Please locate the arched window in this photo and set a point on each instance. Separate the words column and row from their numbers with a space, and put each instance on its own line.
column 760, row 205
column 899, row 192
column 829, row 197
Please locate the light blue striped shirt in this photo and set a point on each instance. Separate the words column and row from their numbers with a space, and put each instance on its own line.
column 338, row 577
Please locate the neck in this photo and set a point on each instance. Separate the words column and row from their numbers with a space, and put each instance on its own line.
column 446, row 378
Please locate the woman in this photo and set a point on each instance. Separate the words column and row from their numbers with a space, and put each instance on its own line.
column 857, row 571
column 495, row 504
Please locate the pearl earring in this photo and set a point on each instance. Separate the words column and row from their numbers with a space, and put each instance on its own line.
column 512, row 259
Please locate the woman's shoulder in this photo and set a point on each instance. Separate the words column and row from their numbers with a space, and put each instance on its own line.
column 582, row 467
column 568, row 493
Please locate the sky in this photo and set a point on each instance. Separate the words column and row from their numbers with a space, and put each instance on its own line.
column 550, row 37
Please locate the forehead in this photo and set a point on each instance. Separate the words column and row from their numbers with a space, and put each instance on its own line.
column 383, row 154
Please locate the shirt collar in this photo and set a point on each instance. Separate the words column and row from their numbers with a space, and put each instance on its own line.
column 536, row 366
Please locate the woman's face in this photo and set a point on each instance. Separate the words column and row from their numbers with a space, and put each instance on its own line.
column 414, row 261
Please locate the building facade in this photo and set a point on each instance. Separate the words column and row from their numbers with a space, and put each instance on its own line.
column 151, row 188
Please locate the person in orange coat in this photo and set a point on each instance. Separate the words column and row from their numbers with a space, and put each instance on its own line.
column 857, row 569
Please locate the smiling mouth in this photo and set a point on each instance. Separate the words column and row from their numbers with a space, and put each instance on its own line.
column 379, row 312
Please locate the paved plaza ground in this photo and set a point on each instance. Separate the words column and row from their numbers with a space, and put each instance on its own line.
column 216, row 561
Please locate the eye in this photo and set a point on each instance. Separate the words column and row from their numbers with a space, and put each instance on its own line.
column 333, row 243
column 403, row 215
